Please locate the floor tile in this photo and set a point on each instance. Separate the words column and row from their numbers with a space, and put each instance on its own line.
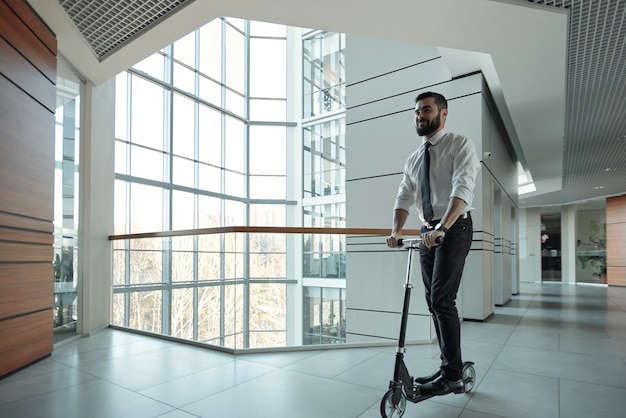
column 289, row 394
column 583, row 400
column 516, row 395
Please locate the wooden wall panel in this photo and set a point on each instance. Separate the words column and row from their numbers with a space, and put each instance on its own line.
column 26, row 160
column 616, row 209
column 23, row 39
column 616, row 241
column 27, row 105
column 21, row 222
column 25, row 339
column 16, row 68
column 616, row 245
column 25, row 288
column 34, row 24
column 616, row 276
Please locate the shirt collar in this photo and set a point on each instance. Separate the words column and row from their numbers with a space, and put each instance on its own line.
column 436, row 138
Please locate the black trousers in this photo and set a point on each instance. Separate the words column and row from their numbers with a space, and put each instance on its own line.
column 442, row 268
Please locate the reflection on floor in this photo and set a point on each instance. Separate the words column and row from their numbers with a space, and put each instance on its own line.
column 554, row 351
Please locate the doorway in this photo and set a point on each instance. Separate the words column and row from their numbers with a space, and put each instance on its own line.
column 550, row 246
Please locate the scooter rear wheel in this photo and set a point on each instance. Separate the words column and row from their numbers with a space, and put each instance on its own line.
column 391, row 409
column 469, row 377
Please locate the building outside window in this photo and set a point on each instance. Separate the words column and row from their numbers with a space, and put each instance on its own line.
column 323, row 192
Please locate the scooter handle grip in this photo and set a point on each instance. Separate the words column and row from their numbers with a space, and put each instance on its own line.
column 438, row 241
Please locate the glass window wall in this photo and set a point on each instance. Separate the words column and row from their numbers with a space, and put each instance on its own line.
column 66, row 200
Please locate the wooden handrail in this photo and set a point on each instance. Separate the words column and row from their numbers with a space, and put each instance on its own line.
column 263, row 229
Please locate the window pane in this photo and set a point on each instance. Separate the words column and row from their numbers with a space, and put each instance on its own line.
column 268, row 187
column 233, row 315
column 182, row 313
column 183, row 172
column 146, row 208
column 182, row 210
column 235, row 154
column 208, row 212
column 210, row 178
column 234, row 51
column 145, row 311
column 211, row 49
column 118, row 310
column 146, row 264
column 324, row 158
column 235, row 184
column 119, row 267
column 235, row 103
column 324, row 73
column 184, row 78
column 146, row 163
column 209, row 317
column 147, row 113
column 268, row 150
column 209, row 264
column 233, row 213
column 119, row 218
column 185, row 49
column 210, row 91
column 210, row 136
column 268, row 110
column 268, row 215
column 183, row 126
column 121, row 161
column 154, row 66
column 268, row 318
column 268, row 68
column 121, row 108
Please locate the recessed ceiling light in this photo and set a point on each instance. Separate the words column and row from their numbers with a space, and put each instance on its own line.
column 599, row 187
column 607, row 169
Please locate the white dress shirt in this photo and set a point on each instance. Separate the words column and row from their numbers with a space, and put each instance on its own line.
column 454, row 166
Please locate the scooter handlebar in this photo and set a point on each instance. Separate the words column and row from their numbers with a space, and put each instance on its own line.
column 401, row 241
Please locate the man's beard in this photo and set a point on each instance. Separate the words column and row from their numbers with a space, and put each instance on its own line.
column 430, row 128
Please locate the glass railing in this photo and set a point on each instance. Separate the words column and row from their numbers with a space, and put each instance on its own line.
column 237, row 288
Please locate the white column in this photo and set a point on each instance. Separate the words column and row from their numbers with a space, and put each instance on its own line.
column 96, row 211
column 568, row 244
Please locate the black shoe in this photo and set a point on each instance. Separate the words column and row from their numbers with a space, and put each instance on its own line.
column 425, row 379
column 442, row 386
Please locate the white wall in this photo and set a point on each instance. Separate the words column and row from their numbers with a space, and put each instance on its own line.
column 568, row 244
column 530, row 245
column 383, row 79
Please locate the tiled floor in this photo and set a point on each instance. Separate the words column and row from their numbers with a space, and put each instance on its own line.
column 553, row 351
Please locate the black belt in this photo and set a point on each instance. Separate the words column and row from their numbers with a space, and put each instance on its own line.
column 431, row 224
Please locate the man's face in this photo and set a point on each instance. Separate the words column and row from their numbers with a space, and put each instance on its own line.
column 428, row 117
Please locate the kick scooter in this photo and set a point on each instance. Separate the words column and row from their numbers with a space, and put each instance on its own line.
column 402, row 387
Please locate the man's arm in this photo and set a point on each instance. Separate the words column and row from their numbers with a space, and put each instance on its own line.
column 455, row 208
column 399, row 219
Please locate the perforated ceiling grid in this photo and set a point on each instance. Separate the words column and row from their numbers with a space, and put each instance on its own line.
column 107, row 24
column 594, row 157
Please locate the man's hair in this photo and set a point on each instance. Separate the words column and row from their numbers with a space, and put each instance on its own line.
column 441, row 101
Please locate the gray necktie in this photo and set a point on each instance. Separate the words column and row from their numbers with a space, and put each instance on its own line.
column 425, row 184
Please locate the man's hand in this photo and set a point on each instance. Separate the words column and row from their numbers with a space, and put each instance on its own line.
column 392, row 241
column 429, row 239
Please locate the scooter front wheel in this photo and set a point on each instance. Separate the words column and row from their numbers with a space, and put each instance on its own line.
column 391, row 409
column 469, row 376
